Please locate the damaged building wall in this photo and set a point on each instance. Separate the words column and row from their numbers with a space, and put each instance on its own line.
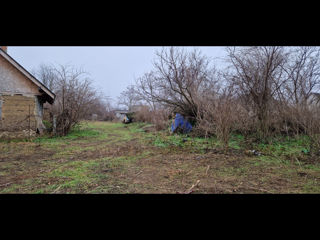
column 12, row 81
column 21, row 104
column 16, row 111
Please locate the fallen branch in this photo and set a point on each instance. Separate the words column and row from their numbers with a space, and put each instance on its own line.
column 193, row 186
column 57, row 189
column 259, row 189
column 207, row 169
column 190, row 190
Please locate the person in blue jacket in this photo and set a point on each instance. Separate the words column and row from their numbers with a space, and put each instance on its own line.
column 180, row 124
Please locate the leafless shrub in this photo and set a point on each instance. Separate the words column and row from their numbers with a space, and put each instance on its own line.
column 110, row 116
column 224, row 117
column 257, row 73
column 307, row 121
column 300, row 95
column 158, row 117
column 75, row 95
column 218, row 116
column 143, row 114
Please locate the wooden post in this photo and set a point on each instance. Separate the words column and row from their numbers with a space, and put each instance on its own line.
column 54, row 125
column 63, row 115
column 29, row 123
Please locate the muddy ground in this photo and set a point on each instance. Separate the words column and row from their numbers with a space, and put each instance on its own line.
column 106, row 157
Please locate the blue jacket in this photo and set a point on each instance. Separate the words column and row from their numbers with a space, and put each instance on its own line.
column 179, row 121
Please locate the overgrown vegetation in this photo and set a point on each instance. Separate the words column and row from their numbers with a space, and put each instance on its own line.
column 76, row 98
column 256, row 128
column 264, row 92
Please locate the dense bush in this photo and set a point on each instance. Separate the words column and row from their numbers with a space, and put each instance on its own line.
column 158, row 117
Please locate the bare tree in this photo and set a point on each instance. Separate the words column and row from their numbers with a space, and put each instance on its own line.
column 129, row 98
column 257, row 73
column 145, row 90
column 177, row 80
column 75, row 95
column 303, row 74
column 46, row 74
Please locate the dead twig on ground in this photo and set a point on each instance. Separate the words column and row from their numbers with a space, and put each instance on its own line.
column 57, row 189
column 207, row 169
column 259, row 189
column 138, row 174
column 194, row 185
column 190, row 190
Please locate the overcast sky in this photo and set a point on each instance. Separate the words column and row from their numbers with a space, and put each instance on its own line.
column 111, row 68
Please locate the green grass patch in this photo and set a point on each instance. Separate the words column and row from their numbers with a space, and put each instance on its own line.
column 77, row 175
column 194, row 144
column 285, row 146
column 236, row 141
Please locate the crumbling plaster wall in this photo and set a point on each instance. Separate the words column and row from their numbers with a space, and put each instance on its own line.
column 18, row 96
